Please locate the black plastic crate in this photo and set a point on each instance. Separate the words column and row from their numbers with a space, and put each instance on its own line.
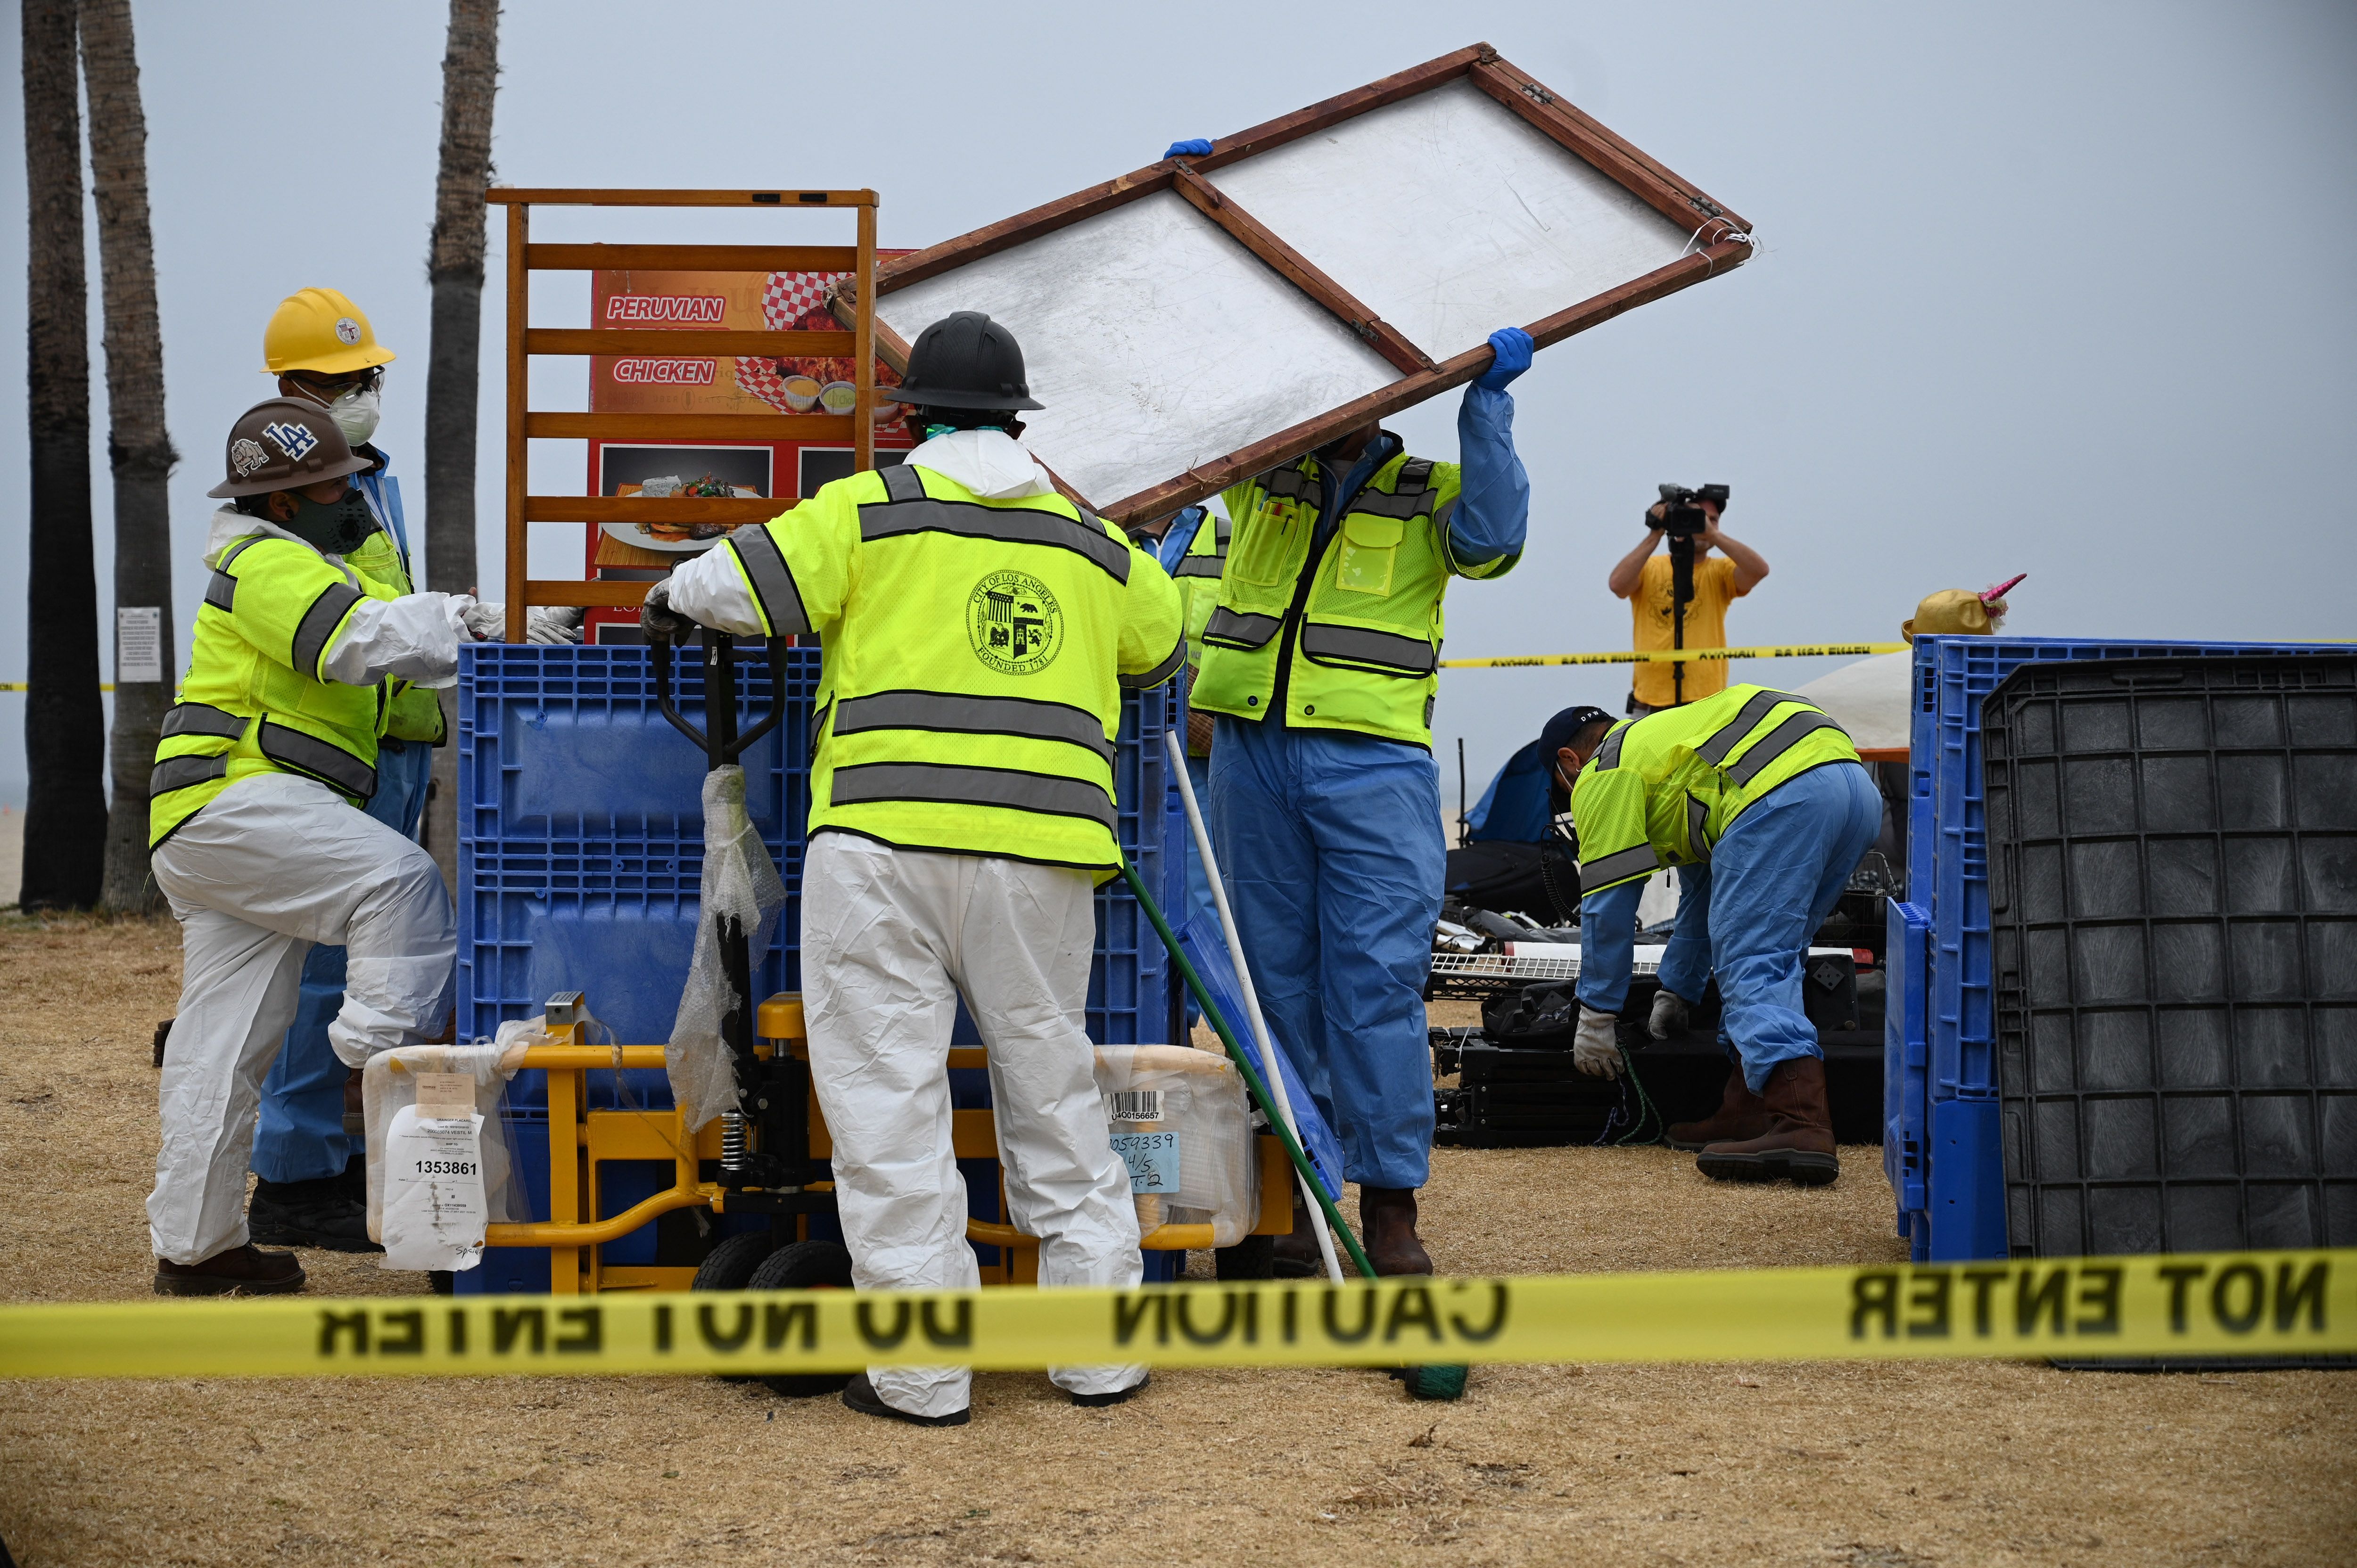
column 2172, row 849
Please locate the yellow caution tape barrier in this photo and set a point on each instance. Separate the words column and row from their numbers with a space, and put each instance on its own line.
column 1676, row 655
column 27, row 687
column 2239, row 1303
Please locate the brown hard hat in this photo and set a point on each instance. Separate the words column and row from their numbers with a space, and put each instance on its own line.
column 284, row 443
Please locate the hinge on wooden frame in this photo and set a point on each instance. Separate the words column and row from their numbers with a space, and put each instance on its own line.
column 1706, row 206
column 1365, row 329
column 1534, row 90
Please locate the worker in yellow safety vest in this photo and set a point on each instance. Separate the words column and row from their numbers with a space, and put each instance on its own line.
column 296, row 664
column 1320, row 659
column 979, row 630
column 310, row 1179
column 1760, row 803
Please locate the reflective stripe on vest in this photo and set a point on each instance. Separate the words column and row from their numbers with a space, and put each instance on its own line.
column 1776, row 742
column 1233, row 630
column 1730, row 736
column 874, row 783
column 902, row 483
column 318, row 625
column 1293, row 485
column 179, row 772
column 202, row 718
column 953, row 712
column 1201, row 565
column 1011, row 525
column 221, row 592
column 324, row 760
column 1384, row 650
column 780, row 601
column 1607, row 756
column 1697, row 818
column 1160, row 672
column 1616, row 867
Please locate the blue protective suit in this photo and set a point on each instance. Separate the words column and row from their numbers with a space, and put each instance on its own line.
column 1748, row 914
column 300, row 1133
column 1331, row 845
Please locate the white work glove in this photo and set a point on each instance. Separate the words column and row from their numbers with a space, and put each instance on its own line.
column 554, row 623
column 1595, row 1049
column 1669, row 1014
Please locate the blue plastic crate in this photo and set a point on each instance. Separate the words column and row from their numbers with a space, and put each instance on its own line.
column 1948, row 1107
column 580, row 844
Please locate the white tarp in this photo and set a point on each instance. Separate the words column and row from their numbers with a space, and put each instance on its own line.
column 1869, row 699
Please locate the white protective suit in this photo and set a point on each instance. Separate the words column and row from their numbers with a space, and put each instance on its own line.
column 273, row 864
column 890, row 937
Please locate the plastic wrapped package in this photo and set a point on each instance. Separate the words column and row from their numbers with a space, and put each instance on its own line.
column 740, row 883
column 440, row 1164
column 1180, row 1119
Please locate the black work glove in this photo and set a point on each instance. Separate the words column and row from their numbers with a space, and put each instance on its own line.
column 659, row 620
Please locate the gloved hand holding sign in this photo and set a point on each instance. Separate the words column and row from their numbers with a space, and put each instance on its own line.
column 1595, row 1049
column 1196, row 148
column 1514, row 347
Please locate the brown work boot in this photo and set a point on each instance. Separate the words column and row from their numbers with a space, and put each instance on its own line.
column 1296, row 1256
column 241, row 1271
column 1740, row 1115
column 1387, row 1224
column 1799, row 1141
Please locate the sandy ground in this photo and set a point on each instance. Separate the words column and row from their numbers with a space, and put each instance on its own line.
column 1877, row 1466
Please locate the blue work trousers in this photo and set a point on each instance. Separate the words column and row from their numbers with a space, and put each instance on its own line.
column 1330, row 844
column 300, row 1135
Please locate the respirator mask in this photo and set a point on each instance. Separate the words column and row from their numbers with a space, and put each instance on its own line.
column 356, row 411
column 337, row 527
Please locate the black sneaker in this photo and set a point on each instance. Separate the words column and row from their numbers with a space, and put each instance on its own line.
column 1119, row 1396
column 861, row 1396
column 309, row 1214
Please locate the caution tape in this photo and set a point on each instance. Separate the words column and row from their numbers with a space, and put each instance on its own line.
column 1676, row 655
column 27, row 685
column 2170, row 1305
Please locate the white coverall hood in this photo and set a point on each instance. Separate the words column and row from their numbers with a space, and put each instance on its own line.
column 990, row 463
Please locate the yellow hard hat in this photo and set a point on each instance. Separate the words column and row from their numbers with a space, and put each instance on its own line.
column 1950, row 612
column 319, row 329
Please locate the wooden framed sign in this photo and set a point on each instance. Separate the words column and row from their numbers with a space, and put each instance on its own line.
column 1199, row 320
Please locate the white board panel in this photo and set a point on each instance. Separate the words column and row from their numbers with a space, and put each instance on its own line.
column 1449, row 216
column 1156, row 342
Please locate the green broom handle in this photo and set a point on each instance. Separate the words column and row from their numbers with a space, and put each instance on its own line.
column 1258, row 1090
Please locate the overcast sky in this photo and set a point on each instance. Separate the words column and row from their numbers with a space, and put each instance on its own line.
column 2056, row 289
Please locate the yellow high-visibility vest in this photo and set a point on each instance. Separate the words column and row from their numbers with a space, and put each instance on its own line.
column 975, row 654
column 1662, row 789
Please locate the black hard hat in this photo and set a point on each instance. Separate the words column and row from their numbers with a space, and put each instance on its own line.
column 966, row 360
column 284, row 443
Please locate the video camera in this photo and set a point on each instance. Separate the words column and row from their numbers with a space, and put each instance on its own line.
column 1682, row 514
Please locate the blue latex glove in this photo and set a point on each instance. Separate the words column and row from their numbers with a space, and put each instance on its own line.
column 1514, row 348
column 1198, row 148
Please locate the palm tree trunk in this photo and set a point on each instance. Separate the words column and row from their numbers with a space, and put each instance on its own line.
column 470, row 67
column 65, row 740
column 137, row 446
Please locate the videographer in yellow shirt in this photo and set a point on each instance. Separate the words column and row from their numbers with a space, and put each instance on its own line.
column 1686, row 520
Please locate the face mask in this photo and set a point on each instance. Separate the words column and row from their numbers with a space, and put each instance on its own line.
column 337, row 527
column 356, row 411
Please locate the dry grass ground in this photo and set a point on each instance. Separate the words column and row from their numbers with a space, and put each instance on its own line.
column 1880, row 1466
